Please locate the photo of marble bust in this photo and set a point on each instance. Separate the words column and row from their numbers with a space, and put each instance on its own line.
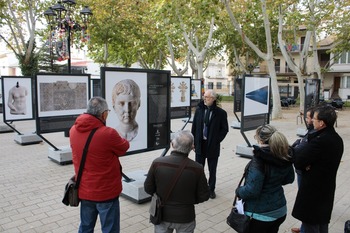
column 126, row 100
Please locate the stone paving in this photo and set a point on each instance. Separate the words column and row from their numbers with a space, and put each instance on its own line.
column 31, row 185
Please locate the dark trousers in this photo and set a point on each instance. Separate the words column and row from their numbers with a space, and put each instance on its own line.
column 315, row 228
column 299, row 181
column 212, row 165
column 266, row 227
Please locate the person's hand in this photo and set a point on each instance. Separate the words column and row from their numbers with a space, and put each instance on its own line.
column 296, row 143
column 236, row 192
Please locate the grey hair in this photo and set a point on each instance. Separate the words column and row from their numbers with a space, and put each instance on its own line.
column 264, row 132
column 96, row 106
column 278, row 143
column 183, row 141
column 212, row 93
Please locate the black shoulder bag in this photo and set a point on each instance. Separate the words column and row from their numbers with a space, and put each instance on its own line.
column 239, row 222
column 70, row 196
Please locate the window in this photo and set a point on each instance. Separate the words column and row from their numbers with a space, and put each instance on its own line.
column 343, row 58
column 219, row 85
column 283, row 89
column 302, row 41
column 347, row 82
column 277, row 65
column 324, row 57
column 12, row 71
column 210, row 85
column 336, row 58
column 286, row 90
column 287, row 70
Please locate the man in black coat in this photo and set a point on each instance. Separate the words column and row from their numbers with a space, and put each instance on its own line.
column 318, row 159
column 191, row 187
column 310, row 129
column 209, row 128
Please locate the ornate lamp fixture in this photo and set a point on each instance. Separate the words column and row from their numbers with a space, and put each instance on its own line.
column 60, row 17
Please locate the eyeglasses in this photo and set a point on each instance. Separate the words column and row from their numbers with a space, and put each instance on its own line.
column 207, row 97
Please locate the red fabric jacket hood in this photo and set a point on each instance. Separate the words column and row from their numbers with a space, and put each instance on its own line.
column 101, row 177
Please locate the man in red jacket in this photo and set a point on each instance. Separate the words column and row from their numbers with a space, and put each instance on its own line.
column 100, row 183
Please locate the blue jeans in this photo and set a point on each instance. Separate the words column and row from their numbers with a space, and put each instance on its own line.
column 109, row 213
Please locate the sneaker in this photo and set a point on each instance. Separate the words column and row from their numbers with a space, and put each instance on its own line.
column 295, row 230
column 212, row 194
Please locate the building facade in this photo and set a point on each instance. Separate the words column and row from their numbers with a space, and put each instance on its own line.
column 219, row 76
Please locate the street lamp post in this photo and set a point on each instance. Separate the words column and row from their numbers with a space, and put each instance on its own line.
column 49, row 13
column 62, row 24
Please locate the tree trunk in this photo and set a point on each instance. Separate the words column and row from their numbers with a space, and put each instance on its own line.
column 276, row 100
column 268, row 57
column 290, row 62
column 200, row 55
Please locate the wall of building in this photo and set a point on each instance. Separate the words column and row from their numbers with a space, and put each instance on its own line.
column 344, row 93
column 9, row 65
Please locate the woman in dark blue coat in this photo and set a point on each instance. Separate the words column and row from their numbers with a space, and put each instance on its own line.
column 262, row 192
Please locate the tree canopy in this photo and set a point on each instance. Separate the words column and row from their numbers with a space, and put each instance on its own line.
column 186, row 33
